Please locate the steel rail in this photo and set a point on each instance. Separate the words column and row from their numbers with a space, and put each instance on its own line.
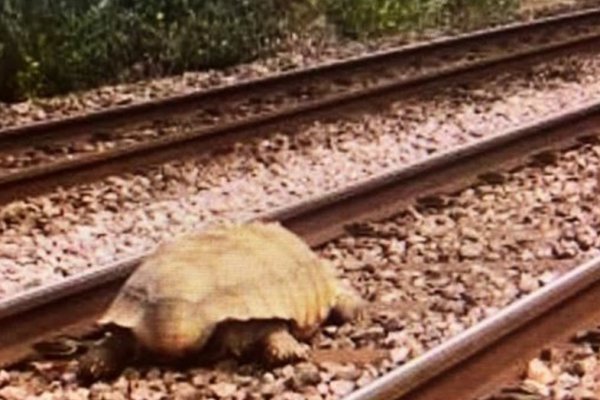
column 75, row 303
column 280, row 79
column 93, row 166
column 557, row 309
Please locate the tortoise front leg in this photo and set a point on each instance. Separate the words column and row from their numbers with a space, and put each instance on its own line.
column 108, row 357
column 281, row 347
column 241, row 338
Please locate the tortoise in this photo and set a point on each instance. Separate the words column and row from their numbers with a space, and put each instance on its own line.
column 245, row 289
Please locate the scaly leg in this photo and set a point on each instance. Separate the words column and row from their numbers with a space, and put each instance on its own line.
column 281, row 347
column 108, row 357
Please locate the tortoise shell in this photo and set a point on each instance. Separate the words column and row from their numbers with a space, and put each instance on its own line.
column 174, row 301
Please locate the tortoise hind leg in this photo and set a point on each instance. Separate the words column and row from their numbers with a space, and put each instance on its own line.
column 281, row 347
column 108, row 357
column 269, row 339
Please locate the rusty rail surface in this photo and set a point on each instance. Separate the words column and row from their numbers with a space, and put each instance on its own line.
column 475, row 362
column 66, row 172
column 73, row 305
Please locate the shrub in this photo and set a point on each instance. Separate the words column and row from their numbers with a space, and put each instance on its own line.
column 467, row 15
column 54, row 46
column 371, row 18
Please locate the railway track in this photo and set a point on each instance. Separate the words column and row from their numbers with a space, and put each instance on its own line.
column 61, row 152
column 66, row 231
column 479, row 360
column 340, row 221
column 566, row 367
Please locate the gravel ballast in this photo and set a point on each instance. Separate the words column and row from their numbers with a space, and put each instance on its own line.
column 569, row 370
column 45, row 238
column 428, row 273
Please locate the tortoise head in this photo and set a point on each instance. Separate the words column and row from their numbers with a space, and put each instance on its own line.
column 172, row 328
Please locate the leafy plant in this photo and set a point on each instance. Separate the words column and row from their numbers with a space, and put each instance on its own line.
column 55, row 46
column 371, row 18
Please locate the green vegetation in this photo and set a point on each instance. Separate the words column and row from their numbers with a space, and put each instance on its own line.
column 372, row 18
column 55, row 46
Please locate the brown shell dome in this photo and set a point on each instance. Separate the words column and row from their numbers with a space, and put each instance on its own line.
column 177, row 297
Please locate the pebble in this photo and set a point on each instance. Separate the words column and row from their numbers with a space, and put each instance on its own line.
column 586, row 366
column 539, row 372
column 528, row 283
column 342, row 387
column 223, row 389
column 306, row 374
column 185, row 391
column 399, row 355
column 532, row 386
column 471, row 250
column 271, row 389
column 345, row 372
column 4, row 377
column 13, row 393
column 567, row 380
column 585, row 394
